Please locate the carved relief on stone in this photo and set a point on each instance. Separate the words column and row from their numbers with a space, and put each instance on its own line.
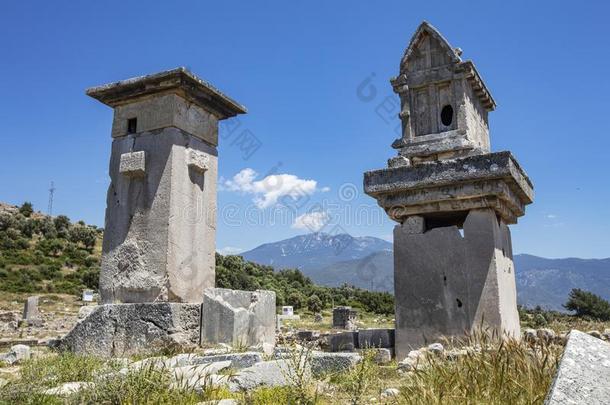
column 197, row 160
column 133, row 164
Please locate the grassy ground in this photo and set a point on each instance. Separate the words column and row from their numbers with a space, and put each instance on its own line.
column 365, row 320
column 498, row 373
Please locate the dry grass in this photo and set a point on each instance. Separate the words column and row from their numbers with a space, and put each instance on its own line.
column 497, row 372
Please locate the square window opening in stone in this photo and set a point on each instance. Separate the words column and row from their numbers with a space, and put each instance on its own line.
column 442, row 220
column 132, row 125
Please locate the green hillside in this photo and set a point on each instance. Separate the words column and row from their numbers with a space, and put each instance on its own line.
column 42, row 254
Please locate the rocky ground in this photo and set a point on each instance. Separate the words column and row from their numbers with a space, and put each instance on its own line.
column 298, row 370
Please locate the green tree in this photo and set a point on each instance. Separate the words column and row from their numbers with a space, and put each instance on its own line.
column 314, row 303
column 83, row 234
column 296, row 299
column 587, row 304
column 62, row 225
column 26, row 209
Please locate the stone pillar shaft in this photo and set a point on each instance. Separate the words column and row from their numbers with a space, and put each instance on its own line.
column 447, row 284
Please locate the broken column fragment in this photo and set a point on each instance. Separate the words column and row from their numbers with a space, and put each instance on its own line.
column 238, row 318
column 453, row 200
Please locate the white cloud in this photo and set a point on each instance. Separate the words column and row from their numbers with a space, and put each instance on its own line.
column 312, row 221
column 272, row 188
column 230, row 250
column 551, row 216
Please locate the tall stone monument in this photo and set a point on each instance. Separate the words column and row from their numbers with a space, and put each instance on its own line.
column 159, row 238
column 158, row 254
column 453, row 200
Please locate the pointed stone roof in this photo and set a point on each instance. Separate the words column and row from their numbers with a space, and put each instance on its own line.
column 425, row 28
column 450, row 56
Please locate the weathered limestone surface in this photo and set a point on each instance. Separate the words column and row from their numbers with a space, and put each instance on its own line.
column 380, row 338
column 583, row 375
column 126, row 329
column 160, row 229
column 238, row 318
column 344, row 317
column 31, row 314
column 450, row 283
column 491, row 180
column 159, row 239
column 445, row 179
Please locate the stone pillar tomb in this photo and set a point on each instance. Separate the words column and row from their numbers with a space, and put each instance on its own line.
column 159, row 237
column 452, row 198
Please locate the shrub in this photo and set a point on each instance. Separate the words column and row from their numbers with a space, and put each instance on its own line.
column 314, row 303
column 587, row 304
column 296, row 299
column 26, row 209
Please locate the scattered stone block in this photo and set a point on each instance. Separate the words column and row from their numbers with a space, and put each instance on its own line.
column 390, row 392
column 197, row 376
column 16, row 354
column 583, row 375
column 127, row 329
column 307, row 335
column 238, row 318
column 530, row 335
column 382, row 356
column 436, row 348
column 275, row 373
column 237, row 360
column 343, row 342
column 68, row 388
column 323, row 363
column 344, row 318
column 546, row 335
column 414, row 360
column 376, row 338
column 133, row 164
column 31, row 314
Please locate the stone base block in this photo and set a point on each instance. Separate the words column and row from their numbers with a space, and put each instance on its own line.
column 238, row 318
column 126, row 329
column 447, row 283
column 343, row 342
column 369, row 338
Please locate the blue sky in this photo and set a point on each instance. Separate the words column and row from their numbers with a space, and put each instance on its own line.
column 297, row 67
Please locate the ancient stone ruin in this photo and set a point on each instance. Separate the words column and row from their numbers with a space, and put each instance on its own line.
column 453, row 200
column 158, row 255
column 344, row 318
column 160, row 228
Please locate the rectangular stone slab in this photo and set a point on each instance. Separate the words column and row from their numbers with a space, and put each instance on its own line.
column 492, row 180
column 498, row 165
column 238, row 318
column 122, row 330
column 583, row 375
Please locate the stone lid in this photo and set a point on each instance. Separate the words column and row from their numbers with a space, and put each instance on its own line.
column 179, row 80
column 492, row 180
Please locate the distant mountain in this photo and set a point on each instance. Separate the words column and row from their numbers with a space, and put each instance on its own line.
column 315, row 251
column 547, row 282
column 367, row 262
column 373, row 272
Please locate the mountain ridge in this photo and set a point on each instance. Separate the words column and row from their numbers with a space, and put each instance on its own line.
column 369, row 264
